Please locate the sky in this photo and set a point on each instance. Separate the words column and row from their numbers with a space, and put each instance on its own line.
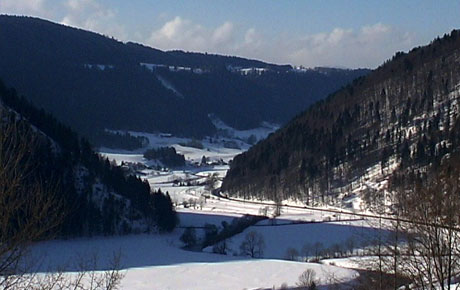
column 345, row 33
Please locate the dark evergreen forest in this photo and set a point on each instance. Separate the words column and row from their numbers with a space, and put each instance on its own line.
column 98, row 197
column 166, row 155
column 92, row 83
column 404, row 113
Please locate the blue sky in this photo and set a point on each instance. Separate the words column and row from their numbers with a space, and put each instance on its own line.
column 309, row 32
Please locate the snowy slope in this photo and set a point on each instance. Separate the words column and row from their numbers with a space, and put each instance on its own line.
column 155, row 262
column 278, row 239
column 231, row 275
column 179, row 269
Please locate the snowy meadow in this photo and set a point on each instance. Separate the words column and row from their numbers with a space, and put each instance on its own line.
column 294, row 239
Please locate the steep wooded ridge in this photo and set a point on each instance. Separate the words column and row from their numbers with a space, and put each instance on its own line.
column 92, row 83
column 401, row 117
column 96, row 197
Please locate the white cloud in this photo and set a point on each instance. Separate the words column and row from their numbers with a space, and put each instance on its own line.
column 252, row 39
column 91, row 15
column 180, row 33
column 368, row 46
column 24, row 7
column 223, row 34
column 86, row 14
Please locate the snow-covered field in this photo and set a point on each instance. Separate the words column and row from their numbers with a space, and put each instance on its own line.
column 279, row 239
column 153, row 261
column 255, row 274
column 156, row 262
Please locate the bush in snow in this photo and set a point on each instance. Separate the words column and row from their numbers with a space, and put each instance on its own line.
column 307, row 280
column 210, row 231
column 189, row 237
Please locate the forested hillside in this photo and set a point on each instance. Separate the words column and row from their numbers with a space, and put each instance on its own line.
column 402, row 118
column 95, row 197
column 91, row 83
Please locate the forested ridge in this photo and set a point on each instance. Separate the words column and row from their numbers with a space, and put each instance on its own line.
column 400, row 120
column 96, row 196
column 92, row 83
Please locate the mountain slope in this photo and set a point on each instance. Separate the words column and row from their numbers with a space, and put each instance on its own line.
column 403, row 116
column 93, row 83
column 97, row 197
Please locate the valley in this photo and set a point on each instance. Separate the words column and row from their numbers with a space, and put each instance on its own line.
column 318, row 233
column 240, row 145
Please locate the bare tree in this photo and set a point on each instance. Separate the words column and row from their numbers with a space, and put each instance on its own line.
column 336, row 250
column 427, row 221
column 30, row 210
column 350, row 245
column 292, row 254
column 278, row 208
column 29, row 207
column 211, row 181
column 318, row 250
column 432, row 257
column 263, row 211
column 306, row 251
column 384, row 245
column 393, row 248
column 87, row 278
column 253, row 245
column 221, row 247
column 307, row 280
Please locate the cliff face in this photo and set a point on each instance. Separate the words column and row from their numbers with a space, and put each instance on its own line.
column 404, row 115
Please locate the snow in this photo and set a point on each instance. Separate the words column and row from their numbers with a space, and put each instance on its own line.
column 231, row 275
column 159, row 259
column 164, row 180
column 169, row 86
column 283, row 235
column 215, row 149
column 193, row 218
column 358, row 263
column 156, row 262
column 143, row 250
column 99, row 66
column 212, row 206
column 247, row 70
column 135, row 158
column 253, row 70
column 151, row 66
column 203, row 270
column 260, row 133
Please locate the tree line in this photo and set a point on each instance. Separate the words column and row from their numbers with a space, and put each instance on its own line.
column 402, row 113
column 97, row 196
